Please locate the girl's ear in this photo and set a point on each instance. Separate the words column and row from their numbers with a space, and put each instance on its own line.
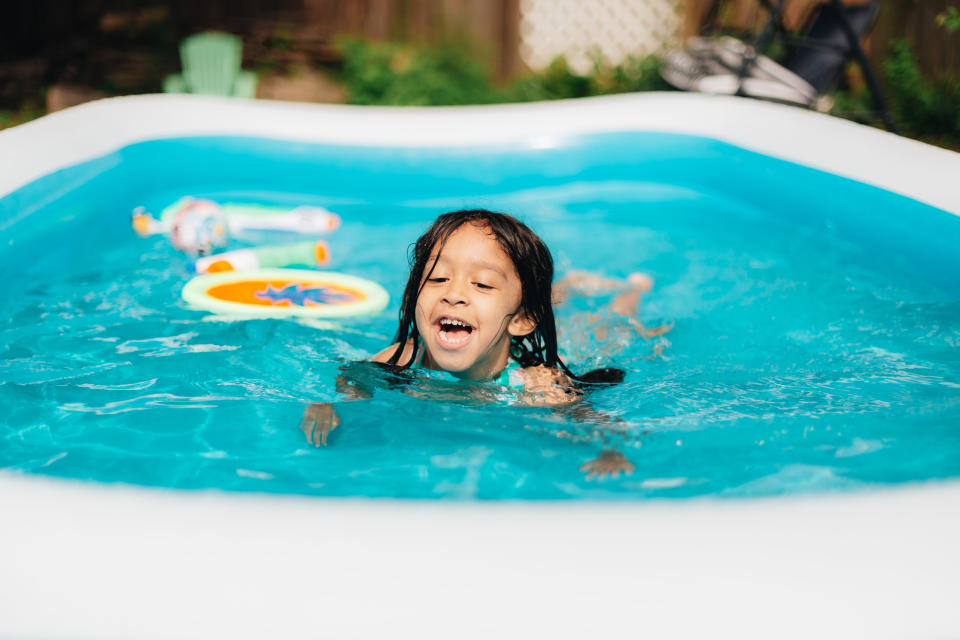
column 521, row 324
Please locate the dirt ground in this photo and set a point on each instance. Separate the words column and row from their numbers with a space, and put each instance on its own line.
column 301, row 84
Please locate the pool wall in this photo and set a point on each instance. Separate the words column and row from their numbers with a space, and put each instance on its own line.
column 88, row 560
column 875, row 157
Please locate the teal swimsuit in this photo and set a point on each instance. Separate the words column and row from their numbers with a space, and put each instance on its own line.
column 511, row 376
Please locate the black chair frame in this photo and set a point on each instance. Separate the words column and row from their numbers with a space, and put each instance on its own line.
column 774, row 29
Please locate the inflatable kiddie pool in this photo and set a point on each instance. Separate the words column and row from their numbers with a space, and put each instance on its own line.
column 100, row 559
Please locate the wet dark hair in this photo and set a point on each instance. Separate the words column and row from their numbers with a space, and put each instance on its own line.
column 534, row 265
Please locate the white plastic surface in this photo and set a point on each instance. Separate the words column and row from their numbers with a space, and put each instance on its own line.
column 106, row 562
column 905, row 166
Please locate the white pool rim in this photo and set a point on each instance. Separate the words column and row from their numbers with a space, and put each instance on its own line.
column 914, row 169
column 88, row 560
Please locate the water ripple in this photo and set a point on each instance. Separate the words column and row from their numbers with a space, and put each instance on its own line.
column 170, row 345
column 154, row 400
column 35, row 370
column 133, row 386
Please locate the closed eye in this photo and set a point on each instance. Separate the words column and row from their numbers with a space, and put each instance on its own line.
column 437, row 280
column 480, row 285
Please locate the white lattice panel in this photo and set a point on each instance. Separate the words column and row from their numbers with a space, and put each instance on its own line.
column 579, row 29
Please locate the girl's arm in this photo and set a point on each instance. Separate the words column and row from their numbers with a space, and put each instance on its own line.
column 547, row 387
column 320, row 418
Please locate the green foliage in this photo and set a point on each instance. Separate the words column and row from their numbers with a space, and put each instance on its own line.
column 281, row 38
column 634, row 74
column 853, row 104
column 392, row 74
column 29, row 110
column 949, row 20
column 926, row 107
column 556, row 82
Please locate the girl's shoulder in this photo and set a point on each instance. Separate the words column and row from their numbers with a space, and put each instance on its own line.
column 543, row 373
column 545, row 385
column 385, row 355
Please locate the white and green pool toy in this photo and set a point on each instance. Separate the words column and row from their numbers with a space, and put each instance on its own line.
column 198, row 225
column 285, row 292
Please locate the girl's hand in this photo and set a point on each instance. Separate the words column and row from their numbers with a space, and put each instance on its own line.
column 609, row 463
column 319, row 419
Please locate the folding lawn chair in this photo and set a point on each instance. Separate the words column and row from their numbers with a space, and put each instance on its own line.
column 211, row 66
column 811, row 65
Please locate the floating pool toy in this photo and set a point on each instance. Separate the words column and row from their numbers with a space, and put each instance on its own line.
column 197, row 225
column 310, row 253
column 285, row 292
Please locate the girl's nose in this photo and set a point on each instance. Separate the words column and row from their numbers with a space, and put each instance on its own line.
column 455, row 294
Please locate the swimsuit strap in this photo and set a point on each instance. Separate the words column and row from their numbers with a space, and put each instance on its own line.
column 418, row 358
column 510, row 376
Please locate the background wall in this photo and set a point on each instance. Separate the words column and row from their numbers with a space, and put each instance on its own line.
column 109, row 47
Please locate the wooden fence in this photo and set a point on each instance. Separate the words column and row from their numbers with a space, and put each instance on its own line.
column 915, row 21
column 48, row 41
column 490, row 26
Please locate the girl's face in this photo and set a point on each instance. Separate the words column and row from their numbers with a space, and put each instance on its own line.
column 469, row 306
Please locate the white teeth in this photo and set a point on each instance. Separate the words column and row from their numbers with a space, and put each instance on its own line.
column 455, row 337
column 454, row 322
column 446, row 337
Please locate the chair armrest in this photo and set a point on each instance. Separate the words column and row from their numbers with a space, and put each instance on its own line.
column 174, row 84
column 245, row 85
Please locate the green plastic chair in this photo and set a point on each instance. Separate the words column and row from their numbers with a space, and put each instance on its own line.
column 211, row 66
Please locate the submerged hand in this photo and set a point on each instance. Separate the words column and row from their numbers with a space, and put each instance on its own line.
column 319, row 419
column 610, row 462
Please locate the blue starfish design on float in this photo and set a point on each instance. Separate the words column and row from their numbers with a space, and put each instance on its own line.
column 297, row 294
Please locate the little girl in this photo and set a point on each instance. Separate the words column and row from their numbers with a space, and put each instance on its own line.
column 477, row 307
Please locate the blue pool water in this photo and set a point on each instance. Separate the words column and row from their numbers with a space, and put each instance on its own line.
column 815, row 342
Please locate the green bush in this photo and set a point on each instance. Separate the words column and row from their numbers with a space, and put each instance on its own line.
column 924, row 107
column 557, row 81
column 634, row 74
column 949, row 20
column 393, row 74
column 29, row 110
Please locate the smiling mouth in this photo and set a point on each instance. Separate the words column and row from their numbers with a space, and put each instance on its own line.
column 453, row 333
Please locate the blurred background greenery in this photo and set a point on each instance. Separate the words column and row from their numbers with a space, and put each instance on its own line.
column 57, row 53
column 449, row 74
